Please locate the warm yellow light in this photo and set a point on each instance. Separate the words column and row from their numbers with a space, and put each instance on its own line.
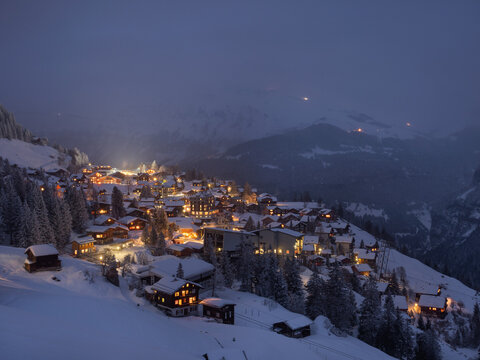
column 408, row 124
column 306, row 98
column 101, row 257
column 360, row 130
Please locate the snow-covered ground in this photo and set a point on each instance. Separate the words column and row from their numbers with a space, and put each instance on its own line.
column 25, row 154
column 76, row 319
column 360, row 210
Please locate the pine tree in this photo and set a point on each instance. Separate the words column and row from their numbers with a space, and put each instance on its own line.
column 314, row 305
column 475, row 326
column 294, row 286
column 394, row 288
column 245, row 266
column 228, row 271
column 387, row 336
column 146, row 192
column 118, row 210
column 180, row 273
column 340, row 305
column 250, row 225
column 427, row 347
column 370, row 312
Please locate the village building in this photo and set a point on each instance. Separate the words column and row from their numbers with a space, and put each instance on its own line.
column 136, row 213
column 105, row 234
column 280, row 241
column 425, row 289
column 42, row 257
column 432, row 305
column 297, row 327
column 133, row 223
column 83, row 246
column 104, row 220
column 201, row 205
column 344, row 244
column 362, row 269
column 219, row 309
column 179, row 250
column 177, row 297
column 224, row 240
column 363, row 256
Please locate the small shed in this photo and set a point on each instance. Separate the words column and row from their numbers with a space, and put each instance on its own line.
column 42, row 257
column 219, row 309
column 297, row 327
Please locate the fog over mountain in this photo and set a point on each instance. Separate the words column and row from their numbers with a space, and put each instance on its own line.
column 216, row 67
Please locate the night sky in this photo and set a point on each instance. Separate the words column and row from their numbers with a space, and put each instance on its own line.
column 65, row 62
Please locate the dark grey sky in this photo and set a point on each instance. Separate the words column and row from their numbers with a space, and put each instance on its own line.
column 398, row 61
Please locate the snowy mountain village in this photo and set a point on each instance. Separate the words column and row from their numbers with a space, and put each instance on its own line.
column 199, row 249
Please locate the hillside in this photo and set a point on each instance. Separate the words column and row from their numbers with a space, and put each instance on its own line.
column 21, row 148
column 74, row 311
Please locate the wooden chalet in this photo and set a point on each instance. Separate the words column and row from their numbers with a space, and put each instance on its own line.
column 42, row 257
column 104, row 220
column 219, row 309
column 297, row 327
column 133, row 223
column 362, row 269
column 105, row 234
column 83, row 246
column 179, row 250
column 177, row 297
column 136, row 213
column 432, row 305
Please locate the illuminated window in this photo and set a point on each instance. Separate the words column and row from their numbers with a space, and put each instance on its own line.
column 176, row 302
column 163, row 300
column 180, row 302
column 177, row 293
column 183, row 292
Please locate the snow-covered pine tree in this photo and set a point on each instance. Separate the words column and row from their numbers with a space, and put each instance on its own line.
column 228, row 270
column 314, row 304
column 279, row 285
column 370, row 312
column 249, row 225
column 118, row 210
column 340, row 302
column 294, row 286
column 427, row 346
column 180, row 274
column 40, row 210
column 475, row 326
column 387, row 335
column 32, row 233
column 146, row 192
column 245, row 266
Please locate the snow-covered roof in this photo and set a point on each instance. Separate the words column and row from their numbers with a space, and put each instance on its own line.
column 310, row 239
column 101, row 219
column 326, row 251
column 193, row 245
column 343, row 239
column 216, row 302
column 288, row 232
column 363, row 267
column 425, row 288
column 170, row 284
column 42, row 250
column 364, row 254
column 382, row 286
column 192, row 267
column 129, row 219
column 431, row 301
column 308, row 247
column 298, row 322
column 86, row 240
column 176, row 247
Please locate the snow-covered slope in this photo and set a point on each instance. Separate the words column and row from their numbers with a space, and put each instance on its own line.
column 73, row 318
column 25, row 154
